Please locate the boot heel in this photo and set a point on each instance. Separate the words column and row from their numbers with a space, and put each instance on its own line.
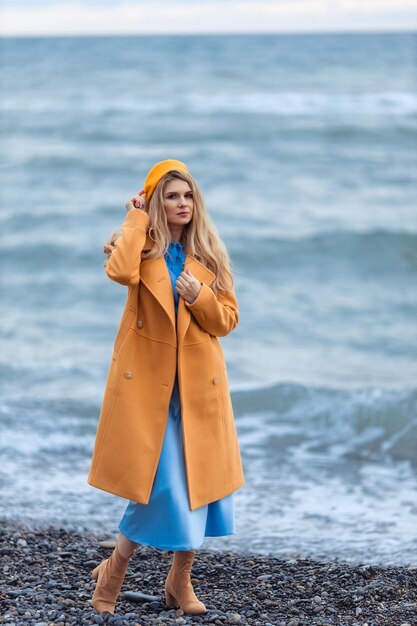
column 169, row 599
column 95, row 571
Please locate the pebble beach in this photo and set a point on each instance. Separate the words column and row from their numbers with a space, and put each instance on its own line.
column 46, row 581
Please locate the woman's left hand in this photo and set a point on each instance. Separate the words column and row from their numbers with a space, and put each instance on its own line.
column 188, row 286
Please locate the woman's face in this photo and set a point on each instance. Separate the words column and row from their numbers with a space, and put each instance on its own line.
column 178, row 202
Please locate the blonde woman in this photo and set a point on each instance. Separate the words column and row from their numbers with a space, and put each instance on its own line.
column 166, row 438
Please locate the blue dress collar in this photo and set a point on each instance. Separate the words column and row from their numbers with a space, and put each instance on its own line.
column 175, row 251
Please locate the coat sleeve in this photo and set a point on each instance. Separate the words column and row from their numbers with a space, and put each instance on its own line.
column 216, row 314
column 123, row 265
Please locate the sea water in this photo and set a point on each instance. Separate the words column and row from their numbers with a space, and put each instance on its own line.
column 305, row 150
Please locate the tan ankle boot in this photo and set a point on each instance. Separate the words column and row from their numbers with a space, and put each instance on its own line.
column 109, row 575
column 178, row 587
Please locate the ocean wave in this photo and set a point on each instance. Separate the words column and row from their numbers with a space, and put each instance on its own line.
column 363, row 423
column 309, row 104
column 373, row 250
column 384, row 103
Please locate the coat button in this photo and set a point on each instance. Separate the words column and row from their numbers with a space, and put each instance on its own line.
column 215, row 380
column 128, row 374
column 139, row 324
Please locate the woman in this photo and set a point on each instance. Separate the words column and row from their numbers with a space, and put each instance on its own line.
column 166, row 438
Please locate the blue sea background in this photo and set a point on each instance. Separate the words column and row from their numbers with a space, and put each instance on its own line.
column 304, row 147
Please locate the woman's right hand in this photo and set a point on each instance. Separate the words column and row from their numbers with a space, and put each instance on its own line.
column 137, row 202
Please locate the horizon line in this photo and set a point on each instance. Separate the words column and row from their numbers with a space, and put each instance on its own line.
column 408, row 29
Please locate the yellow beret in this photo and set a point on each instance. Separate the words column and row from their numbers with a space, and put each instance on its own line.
column 156, row 173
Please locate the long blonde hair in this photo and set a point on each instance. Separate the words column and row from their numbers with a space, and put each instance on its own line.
column 199, row 237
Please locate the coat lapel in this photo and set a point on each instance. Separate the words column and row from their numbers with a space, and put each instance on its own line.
column 155, row 275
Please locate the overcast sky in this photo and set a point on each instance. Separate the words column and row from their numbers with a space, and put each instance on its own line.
column 47, row 17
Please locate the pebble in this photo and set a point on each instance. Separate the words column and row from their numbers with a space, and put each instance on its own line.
column 107, row 544
column 47, row 582
column 21, row 543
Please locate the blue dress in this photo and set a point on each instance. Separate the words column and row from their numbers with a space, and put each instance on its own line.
column 166, row 521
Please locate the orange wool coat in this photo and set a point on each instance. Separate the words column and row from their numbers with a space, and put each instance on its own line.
column 148, row 348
